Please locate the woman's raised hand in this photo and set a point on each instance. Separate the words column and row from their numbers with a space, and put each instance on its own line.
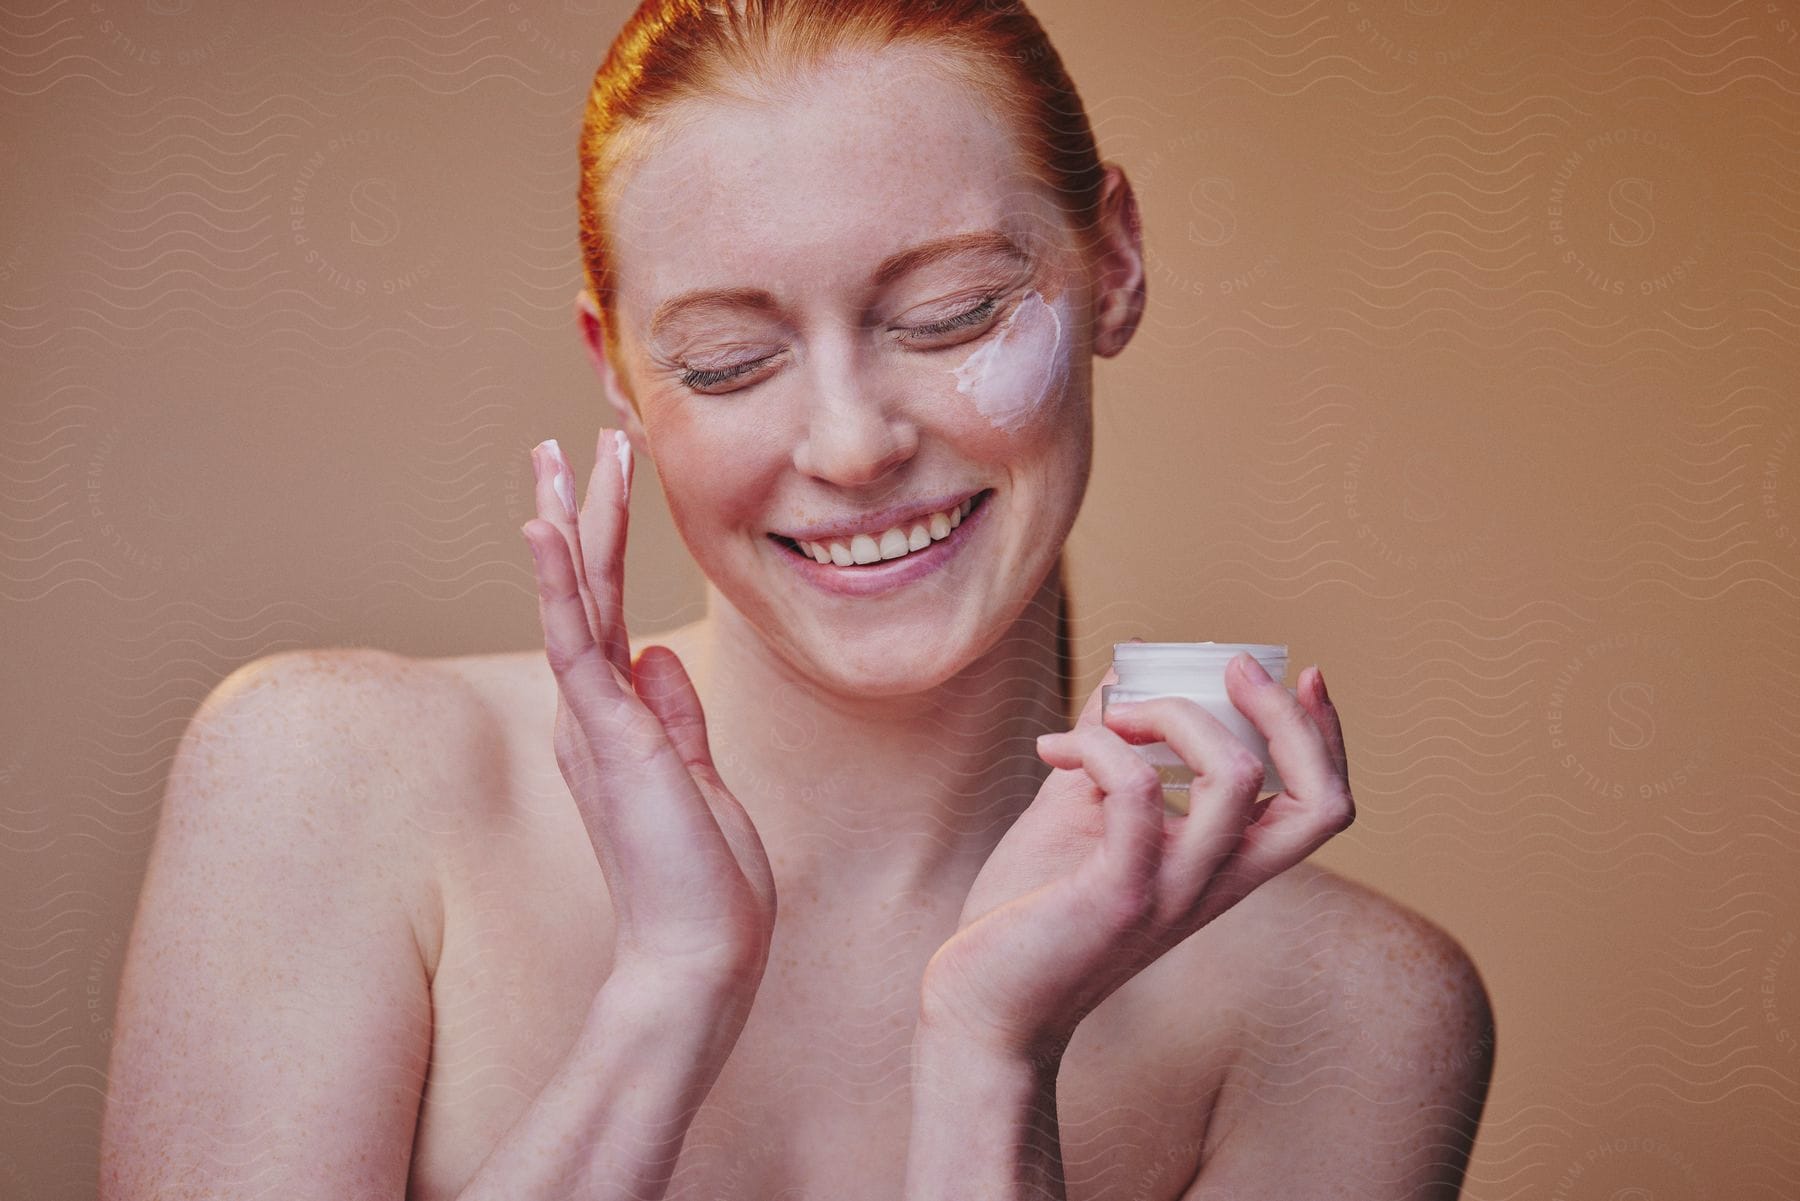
column 689, row 879
column 1096, row 879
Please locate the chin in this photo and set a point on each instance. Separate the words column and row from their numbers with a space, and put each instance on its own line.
column 897, row 676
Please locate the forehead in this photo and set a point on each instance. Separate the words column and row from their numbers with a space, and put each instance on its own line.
column 871, row 156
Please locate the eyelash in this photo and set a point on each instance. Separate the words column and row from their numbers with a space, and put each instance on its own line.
column 695, row 378
column 974, row 316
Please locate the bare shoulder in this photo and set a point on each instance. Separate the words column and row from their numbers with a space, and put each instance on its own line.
column 1339, row 953
column 390, row 726
column 278, row 976
column 399, row 745
column 357, row 693
column 1365, row 1019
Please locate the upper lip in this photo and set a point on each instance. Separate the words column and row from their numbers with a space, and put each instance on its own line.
column 880, row 520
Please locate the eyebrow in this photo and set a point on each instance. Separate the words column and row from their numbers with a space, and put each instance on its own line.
column 990, row 242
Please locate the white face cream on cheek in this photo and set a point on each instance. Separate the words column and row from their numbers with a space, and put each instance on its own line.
column 1021, row 367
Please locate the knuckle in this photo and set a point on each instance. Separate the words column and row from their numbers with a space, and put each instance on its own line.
column 550, row 591
column 1245, row 770
column 559, row 658
column 1141, row 780
column 1192, row 713
column 1338, row 814
column 1188, row 707
column 1166, row 711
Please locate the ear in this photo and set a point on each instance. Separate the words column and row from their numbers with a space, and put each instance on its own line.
column 593, row 332
column 1118, row 265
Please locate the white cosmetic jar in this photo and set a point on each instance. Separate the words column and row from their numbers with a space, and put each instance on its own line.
column 1195, row 670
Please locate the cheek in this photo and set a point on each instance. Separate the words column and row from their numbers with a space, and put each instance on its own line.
column 703, row 481
column 1020, row 371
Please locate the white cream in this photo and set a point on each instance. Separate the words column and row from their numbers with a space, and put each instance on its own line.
column 1016, row 371
column 622, row 448
column 563, row 483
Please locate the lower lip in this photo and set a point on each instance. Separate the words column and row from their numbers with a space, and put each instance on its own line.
column 873, row 579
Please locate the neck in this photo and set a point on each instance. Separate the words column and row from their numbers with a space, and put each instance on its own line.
column 880, row 795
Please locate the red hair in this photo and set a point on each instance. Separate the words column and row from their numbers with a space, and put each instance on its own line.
column 671, row 51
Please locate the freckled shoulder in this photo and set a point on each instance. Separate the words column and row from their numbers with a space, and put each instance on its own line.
column 287, row 930
column 420, row 742
column 1336, row 948
column 1359, row 999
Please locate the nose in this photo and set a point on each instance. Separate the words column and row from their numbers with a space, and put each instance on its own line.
column 855, row 432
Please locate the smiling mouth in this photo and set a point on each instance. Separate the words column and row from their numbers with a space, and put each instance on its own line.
column 975, row 502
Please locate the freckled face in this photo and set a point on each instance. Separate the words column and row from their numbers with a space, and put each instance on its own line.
column 829, row 376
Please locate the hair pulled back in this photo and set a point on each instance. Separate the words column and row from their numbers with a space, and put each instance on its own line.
column 671, row 51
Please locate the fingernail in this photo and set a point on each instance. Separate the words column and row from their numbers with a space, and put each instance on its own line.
column 1323, row 695
column 1252, row 668
column 531, row 544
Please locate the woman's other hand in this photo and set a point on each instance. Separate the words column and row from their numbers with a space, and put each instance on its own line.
column 688, row 876
column 1097, row 879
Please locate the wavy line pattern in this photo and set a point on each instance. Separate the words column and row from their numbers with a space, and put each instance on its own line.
column 1467, row 368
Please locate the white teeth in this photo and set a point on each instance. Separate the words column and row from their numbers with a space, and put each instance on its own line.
column 890, row 543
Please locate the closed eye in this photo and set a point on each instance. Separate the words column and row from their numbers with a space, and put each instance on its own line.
column 699, row 379
column 974, row 316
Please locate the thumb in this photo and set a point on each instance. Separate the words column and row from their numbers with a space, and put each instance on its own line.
column 662, row 683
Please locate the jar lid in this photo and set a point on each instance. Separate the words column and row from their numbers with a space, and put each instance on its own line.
column 1196, row 652
column 1169, row 666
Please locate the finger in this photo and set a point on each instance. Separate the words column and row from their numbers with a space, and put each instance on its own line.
column 1221, row 798
column 603, row 525
column 1296, row 745
column 662, row 682
column 1291, row 827
column 1286, row 831
column 1132, row 806
column 1324, row 715
column 555, row 497
column 581, row 673
column 1217, row 756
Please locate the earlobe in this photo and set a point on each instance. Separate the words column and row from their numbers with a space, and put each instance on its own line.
column 593, row 334
column 1119, row 265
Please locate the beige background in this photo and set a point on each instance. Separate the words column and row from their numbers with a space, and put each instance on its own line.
column 1468, row 372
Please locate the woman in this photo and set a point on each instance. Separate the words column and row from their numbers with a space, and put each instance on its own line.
column 849, row 263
